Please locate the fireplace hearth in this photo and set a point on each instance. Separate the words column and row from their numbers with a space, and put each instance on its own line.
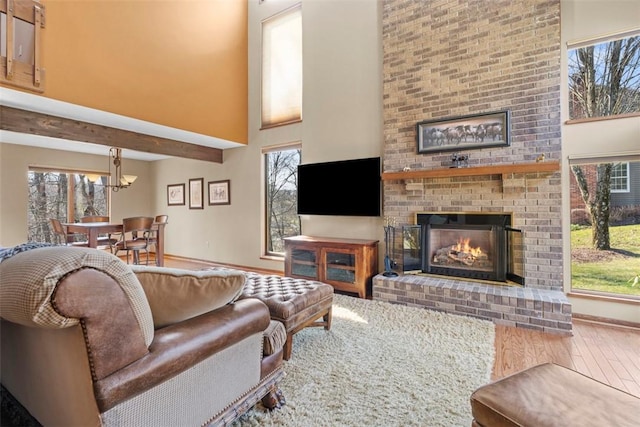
column 475, row 246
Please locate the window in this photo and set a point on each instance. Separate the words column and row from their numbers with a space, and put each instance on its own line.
column 605, row 227
column 620, row 178
column 21, row 23
column 604, row 77
column 65, row 195
column 282, row 68
column 281, row 179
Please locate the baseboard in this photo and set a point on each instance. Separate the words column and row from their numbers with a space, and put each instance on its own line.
column 606, row 321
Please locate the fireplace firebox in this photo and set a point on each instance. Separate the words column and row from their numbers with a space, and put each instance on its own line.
column 471, row 245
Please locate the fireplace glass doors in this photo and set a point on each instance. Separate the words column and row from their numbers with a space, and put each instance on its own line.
column 473, row 246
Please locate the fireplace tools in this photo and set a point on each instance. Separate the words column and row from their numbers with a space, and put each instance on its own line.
column 389, row 264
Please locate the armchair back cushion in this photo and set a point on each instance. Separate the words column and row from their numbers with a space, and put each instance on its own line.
column 29, row 280
column 176, row 295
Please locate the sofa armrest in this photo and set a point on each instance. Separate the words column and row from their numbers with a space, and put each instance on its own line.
column 176, row 295
column 179, row 347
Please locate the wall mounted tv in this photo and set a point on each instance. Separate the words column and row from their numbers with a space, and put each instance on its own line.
column 347, row 187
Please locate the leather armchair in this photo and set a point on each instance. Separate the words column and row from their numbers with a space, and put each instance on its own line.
column 81, row 345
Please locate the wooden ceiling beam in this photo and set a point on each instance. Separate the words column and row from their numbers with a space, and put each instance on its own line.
column 30, row 122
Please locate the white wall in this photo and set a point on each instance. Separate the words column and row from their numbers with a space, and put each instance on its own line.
column 585, row 19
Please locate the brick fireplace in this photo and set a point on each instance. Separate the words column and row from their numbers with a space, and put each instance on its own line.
column 450, row 58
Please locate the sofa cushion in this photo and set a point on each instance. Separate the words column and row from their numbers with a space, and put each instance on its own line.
column 29, row 279
column 176, row 294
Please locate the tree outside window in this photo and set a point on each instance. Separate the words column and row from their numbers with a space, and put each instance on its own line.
column 67, row 196
column 281, row 179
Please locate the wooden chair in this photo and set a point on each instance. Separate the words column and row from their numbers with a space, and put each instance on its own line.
column 105, row 241
column 153, row 237
column 135, row 237
column 65, row 238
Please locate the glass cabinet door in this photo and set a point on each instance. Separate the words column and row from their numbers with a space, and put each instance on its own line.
column 303, row 263
column 340, row 266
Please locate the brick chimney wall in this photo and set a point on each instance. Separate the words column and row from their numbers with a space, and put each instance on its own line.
column 448, row 58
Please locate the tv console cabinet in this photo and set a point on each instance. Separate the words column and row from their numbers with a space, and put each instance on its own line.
column 347, row 264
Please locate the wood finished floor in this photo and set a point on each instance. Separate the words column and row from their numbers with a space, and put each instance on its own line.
column 607, row 353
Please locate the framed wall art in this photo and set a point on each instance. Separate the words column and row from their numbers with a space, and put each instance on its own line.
column 220, row 192
column 463, row 133
column 196, row 193
column 175, row 194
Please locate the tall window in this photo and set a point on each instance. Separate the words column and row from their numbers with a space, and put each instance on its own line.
column 605, row 228
column 281, row 179
column 604, row 77
column 282, row 68
column 65, row 195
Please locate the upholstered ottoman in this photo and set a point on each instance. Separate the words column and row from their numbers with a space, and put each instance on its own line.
column 297, row 303
column 551, row 395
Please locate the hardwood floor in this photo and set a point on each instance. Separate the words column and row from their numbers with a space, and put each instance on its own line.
column 607, row 353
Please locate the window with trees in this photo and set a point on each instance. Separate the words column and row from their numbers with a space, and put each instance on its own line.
column 65, row 195
column 282, row 68
column 281, row 196
column 604, row 81
column 604, row 77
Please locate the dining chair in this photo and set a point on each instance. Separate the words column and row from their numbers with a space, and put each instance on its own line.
column 153, row 237
column 134, row 237
column 65, row 238
column 105, row 241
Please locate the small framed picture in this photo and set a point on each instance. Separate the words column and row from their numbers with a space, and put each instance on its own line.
column 175, row 194
column 219, row 192
column 196, row 193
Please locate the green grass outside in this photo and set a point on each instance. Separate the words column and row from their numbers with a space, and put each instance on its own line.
column 610, row 275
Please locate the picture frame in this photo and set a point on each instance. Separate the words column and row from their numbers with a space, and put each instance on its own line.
column 220, row 192
column 175, row 194
column 470, row 132
column 196, row 193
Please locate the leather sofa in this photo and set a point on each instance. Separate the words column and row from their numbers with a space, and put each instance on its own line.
column 85, row 341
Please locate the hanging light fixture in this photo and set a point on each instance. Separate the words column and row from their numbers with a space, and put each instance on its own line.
column 121, row 181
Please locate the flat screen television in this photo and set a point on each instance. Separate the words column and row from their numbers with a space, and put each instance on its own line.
column 347, row 187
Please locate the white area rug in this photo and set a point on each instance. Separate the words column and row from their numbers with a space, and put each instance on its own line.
column 383, row 365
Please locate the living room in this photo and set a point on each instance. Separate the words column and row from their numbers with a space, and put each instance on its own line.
column 350, row 111
column 344, row 117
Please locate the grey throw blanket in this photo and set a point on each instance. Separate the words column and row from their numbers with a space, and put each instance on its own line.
column 23, row 247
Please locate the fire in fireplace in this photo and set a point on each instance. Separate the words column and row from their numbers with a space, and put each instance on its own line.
column 471, row 245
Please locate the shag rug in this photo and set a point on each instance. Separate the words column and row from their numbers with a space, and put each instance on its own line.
column 383, row 365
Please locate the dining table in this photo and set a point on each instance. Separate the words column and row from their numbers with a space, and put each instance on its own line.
column 94, row 229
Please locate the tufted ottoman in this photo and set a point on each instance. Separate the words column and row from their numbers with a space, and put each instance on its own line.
column 297, row 303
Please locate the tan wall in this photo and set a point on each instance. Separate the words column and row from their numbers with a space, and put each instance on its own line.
column 181, row 64
column 584, row 20
column 14, row 166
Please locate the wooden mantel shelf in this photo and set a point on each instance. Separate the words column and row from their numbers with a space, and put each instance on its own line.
column 548, row 166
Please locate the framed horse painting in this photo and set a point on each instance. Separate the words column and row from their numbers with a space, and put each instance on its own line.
column 463, row 133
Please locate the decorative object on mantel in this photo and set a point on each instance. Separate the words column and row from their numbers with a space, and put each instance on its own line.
column 540, row 158
column 469, row 132
column 122, row 181
column 460, row 160
column 389, row 264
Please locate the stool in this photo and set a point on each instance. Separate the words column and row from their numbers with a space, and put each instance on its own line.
column 551, row 395
column 297, row 303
